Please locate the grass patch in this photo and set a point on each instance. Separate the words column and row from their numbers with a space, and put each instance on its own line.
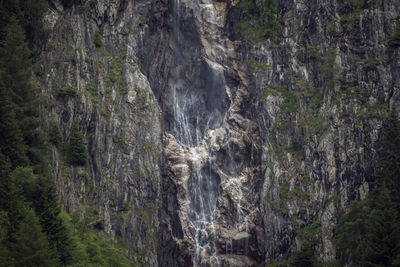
column 295, row 149
column 257, row 20
column 257, row 66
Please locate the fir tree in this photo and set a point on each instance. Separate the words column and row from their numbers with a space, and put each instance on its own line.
column 387, row 169
column 15, row 65
column 77, row 146
column 31, row 247
column 48, row 211
column 11, row 140
column 383, row 230
column 351, row 239
column 304, row 258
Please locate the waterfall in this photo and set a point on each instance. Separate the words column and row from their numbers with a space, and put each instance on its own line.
column 198, row 107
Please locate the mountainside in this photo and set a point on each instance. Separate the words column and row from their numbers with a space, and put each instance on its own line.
column 218, row 133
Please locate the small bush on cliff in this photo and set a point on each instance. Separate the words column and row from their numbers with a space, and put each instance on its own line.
column 394, row 40
column 98, row 39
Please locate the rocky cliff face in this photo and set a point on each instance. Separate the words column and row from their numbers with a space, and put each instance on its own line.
column 209, row 145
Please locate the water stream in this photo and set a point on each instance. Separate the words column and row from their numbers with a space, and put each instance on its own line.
column 198, row 98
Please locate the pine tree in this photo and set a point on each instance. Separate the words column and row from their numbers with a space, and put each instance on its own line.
column 31, row 247
column 387, row 169
column 77, row 146
column 351, row 238
column 304, row 258
column 382, row 229
column 11, row 140
column 48, row 210
column 15, row 66
column 5, row 258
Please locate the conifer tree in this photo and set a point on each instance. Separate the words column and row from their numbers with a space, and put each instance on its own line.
column 382, row 229
column 11, row 140
column 48, row 211
column 31, row 247
column 387, row 168
column 304, row 258
column 15, row 66
column 77, row 146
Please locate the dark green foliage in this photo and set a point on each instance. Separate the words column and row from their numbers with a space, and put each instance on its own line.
column 382, row 230
column 329, row 69
column 32, row 232
column 257, row 20
column 33, row 11
column 27, row 180
column 11, row 139
column 369, row 235
column 65, row 92
column 371, row 64
column 77, row 147
column 98, row 39
column 315, row 123
column 257, row 66
column 29, row 13
column 304, row 258
column 289, row 104
column 48, row 210
column 55, row 135
column 316, row 99
column 91, row 250
column 125, row 207
column 296, row 149
column 31, row 247
column 27, row 192
column 352, row 234
column 70, row 3
column 394, row 40
column 356, row 5
column 387, row 169
column 16, row 66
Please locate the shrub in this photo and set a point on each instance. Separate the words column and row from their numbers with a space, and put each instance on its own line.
column 67, row 91
column 98, row 39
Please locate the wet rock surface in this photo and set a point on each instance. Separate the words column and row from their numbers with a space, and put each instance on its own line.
column 206, row 148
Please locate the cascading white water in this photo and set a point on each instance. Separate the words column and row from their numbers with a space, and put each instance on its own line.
column 195, row 111
column 198, row 106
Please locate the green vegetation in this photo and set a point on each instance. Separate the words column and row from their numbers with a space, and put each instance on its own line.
column 296, row 149
column 98, row 39
column 114, row 77
column 394, row 40
column 315, row 123
column 369, row 234
column 119, row 140
column 66, row 91
column 125, row 207
column 55, row 135
column 32, row 233
column 257, row 20
column 371, row 64
column 90, row 249
column 289, row 104
column 70, row 3
column 257, row 66
column 77, row 151
column 356, row 5
column 329, row 69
